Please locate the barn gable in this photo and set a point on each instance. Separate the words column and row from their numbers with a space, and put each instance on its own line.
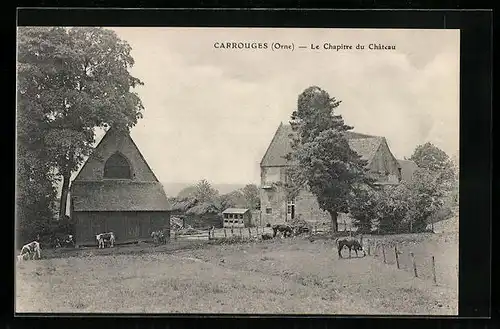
column 115, row 152
column 117, row 191
column 383, row 161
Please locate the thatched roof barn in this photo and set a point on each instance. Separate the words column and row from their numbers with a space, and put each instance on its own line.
column 117, row 191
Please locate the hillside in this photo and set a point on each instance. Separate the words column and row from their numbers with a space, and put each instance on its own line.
column 172, row 189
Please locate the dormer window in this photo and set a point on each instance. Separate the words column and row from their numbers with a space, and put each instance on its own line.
column 117, row 167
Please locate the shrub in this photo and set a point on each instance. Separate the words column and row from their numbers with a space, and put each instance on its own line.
column 363, row 209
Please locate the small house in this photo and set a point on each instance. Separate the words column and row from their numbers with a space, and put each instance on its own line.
column 237, row 217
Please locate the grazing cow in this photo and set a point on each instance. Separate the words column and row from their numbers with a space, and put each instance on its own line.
column 66, row 241
column 69, row 241
column 283, row 229
column 31, row 249
column 266, row 236
column 102, row 238
column 298, row 230
column 351, row 243
column 159, row 237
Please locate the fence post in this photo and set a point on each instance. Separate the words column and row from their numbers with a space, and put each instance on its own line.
column 241, row 235
column 209, row 237
column 434, row 270
column 396, row 253
column 225, row 233
column 257, row 229
column 175, row 235
column 414, row 264
column 232, row 231
column 369, row 249
column 383, row 253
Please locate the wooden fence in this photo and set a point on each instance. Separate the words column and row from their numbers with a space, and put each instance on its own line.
column 414, row 259
column 218, row 233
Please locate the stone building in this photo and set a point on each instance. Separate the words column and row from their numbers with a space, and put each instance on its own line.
column 276, row 208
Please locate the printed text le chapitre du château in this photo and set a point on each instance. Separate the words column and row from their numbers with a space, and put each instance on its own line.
column 290, row 46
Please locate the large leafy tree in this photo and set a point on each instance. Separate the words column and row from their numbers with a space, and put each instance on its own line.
column 426, row 197
column 187, row 192
column 251, row 195
column 322, row 160
column 392, row 209
column 363, row 208
column 231, row 199
column 74, row 80
column 437, row 162
column 435, row 184
column 205, row 192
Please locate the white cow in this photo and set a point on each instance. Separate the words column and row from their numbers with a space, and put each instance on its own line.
column 105, row 237
column 31, row 249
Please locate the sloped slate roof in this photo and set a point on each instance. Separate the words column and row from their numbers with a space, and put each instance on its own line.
column 235, row 211
column 408, row 167
column 116, row 195
column 365, row 145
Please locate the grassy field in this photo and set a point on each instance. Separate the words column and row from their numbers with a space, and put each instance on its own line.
column 444, row 248
column 278, row 276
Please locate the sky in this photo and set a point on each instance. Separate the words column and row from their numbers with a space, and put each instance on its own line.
column 211, row 113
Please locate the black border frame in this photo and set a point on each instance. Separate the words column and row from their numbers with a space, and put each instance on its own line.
column 475, row 111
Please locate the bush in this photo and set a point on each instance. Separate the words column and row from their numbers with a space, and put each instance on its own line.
column 230, row 240
column 46, row 229
column 363, row 209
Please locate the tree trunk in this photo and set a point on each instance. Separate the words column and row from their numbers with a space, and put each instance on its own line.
column 335, row 226
column 64, row 196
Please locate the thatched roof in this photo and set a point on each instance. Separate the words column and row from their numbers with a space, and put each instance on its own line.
column 183, row 205
column 365, row 145
column 203, row 208
column 117, row 195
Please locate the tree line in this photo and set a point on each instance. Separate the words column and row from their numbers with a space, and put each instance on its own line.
column 72, row 81
column 326, row 166
column 204, row 192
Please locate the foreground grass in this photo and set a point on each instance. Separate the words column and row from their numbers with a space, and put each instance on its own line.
column 268, row 277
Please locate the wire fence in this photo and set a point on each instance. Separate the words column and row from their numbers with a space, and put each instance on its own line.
column 417, row 259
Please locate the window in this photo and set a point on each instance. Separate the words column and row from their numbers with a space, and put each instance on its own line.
column 117, row 167
column 269, row 210
column 226, row 215
column 287, row 177
column 240, row 216
column 290, row 209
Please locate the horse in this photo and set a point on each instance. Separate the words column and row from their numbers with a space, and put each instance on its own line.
column 352, row 244
column 284, row 229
